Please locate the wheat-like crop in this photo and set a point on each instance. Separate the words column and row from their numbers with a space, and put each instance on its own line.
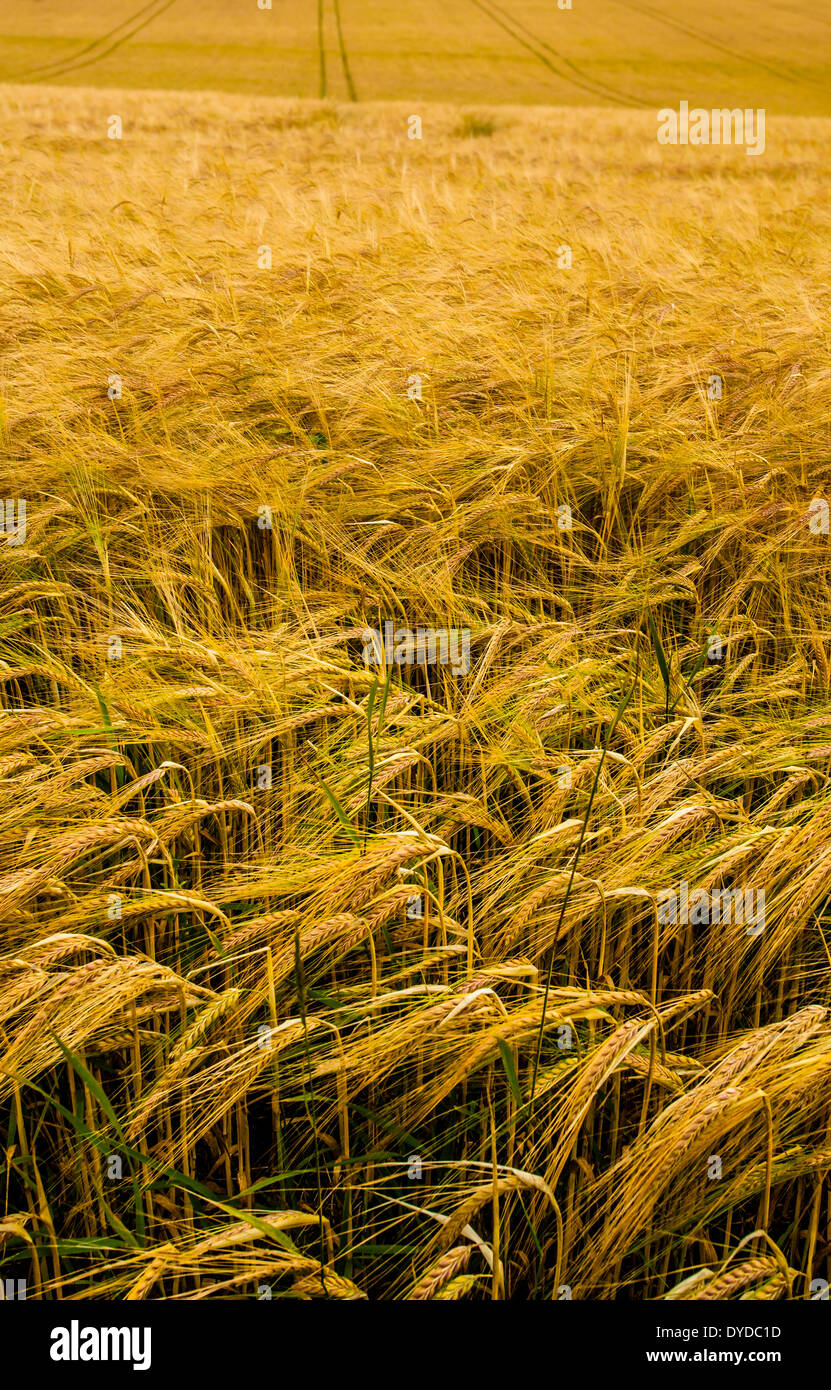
column 315, row 962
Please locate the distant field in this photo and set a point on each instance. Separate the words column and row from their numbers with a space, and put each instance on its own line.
column 601, row 52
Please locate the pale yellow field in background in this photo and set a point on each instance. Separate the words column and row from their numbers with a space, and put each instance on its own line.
column 631, row 52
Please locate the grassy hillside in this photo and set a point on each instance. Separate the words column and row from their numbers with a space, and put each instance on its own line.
column 601, row 52
column 350, row 979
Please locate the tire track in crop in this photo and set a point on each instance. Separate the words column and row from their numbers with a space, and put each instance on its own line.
column 60, row 67
column 783, row 73
column 581, row 80
column 350, row 85
column 598, row 84
column 321, row 53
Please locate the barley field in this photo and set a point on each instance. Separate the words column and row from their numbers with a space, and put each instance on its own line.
column 326, row 974
column 625, row 53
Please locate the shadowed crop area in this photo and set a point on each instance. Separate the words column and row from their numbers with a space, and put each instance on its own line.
column 333, row 964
